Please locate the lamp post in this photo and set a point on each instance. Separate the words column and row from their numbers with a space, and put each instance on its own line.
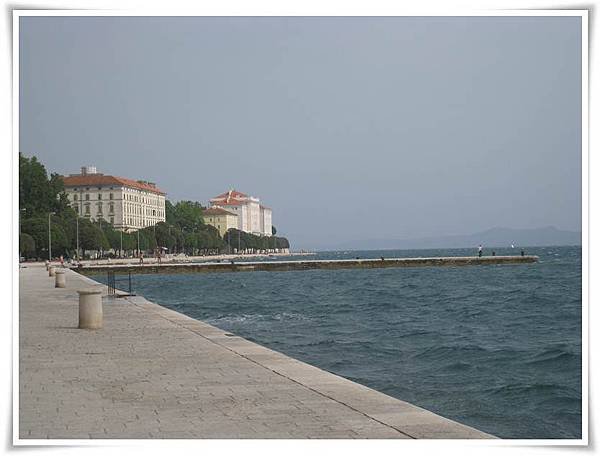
column 49, row 237
column 77, row 220
column 121, row 250
column 20, row 210
column 138, row 239
column 183, row 241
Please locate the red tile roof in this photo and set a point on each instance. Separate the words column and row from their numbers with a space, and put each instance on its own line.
column 232, row 194
column 90, row 180
column 227, row 196
column 217, row 211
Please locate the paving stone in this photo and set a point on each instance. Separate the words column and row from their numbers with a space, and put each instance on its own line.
column 151, row 372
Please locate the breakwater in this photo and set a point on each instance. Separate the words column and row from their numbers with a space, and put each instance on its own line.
column 299, row 265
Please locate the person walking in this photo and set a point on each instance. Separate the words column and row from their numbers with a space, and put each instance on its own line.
column 480, row 250
column 141, row 257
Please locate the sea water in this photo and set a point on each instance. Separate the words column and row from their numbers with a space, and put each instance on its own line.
column 497, row 347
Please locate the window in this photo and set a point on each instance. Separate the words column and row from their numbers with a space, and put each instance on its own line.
column 111, row 208
column 87, row 209
column 110, row 196
column 87, row 197
column 112, row 220
column 99, row 196
column 99, row 208
column 75, row 197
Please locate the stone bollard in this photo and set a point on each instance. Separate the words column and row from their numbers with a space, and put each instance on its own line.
column 51, row 271
column 60, row 279
column 90, row 308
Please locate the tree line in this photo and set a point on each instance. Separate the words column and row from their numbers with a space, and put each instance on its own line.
column 43, row 204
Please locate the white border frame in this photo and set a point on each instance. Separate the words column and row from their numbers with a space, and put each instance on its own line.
column 292, row 10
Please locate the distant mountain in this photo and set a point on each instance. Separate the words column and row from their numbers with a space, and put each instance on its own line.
column 495, row 237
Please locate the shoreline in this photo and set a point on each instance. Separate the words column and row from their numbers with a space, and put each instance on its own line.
column 157, row 373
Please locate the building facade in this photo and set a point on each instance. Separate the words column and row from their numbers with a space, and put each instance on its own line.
column 125, row 203
column 220, row 219
column 266, row 221
column 252, row 216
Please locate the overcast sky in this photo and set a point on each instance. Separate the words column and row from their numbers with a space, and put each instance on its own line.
column 349, row 128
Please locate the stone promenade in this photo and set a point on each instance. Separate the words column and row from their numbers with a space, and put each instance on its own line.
column 154, row 373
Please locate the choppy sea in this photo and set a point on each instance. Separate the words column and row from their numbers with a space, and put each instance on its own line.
column 497, row 347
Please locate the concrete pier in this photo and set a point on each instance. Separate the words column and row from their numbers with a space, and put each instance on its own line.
column 151, row 372
column 299, row 265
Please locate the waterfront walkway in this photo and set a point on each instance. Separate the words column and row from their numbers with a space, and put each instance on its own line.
column 154, row 373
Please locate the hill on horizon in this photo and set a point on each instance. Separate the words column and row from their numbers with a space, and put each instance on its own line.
column 494, row 237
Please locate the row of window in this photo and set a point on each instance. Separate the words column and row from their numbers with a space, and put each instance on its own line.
column 87, row 197
column 133, row 209
column 142, row 199
column 128, row 197
column 134, row 221
column 88, row 189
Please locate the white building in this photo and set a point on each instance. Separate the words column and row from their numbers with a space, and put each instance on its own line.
column 127, row 204
column 252, row 216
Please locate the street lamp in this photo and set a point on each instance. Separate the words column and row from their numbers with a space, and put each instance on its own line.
column 20, row 210
column 77, row 220
column 49, row 237
column 182, row 241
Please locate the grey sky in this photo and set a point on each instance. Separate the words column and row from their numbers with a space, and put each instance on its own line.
column 349, row 128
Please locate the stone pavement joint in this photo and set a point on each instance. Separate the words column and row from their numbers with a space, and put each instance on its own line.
column 152, row 372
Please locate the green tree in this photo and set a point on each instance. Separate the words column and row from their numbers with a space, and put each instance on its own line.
column 37, row 228
column 91, row 236
column 39, row 195
column 112, row 235
column 147, row 239
column 27, row 245
column 170, row 214
column 164, row 236
column 188, row 215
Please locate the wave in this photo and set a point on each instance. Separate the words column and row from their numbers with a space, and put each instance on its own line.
column 250, row 318
column 553, row 356
column 447, row 351
column 552, row 391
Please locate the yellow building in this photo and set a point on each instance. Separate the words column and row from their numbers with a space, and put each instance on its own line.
column 220, row 219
